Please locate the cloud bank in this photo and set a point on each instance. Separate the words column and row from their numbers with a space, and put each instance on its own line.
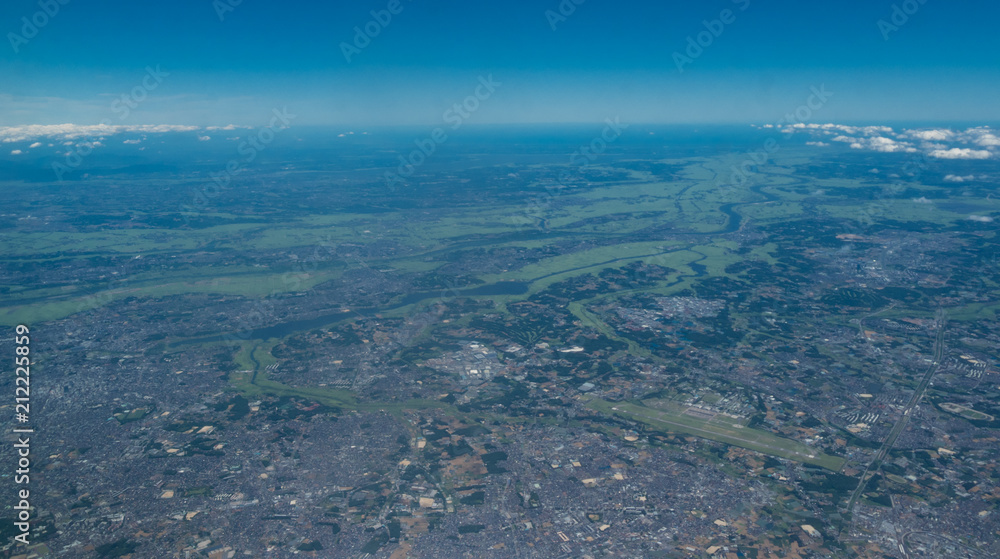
column 69, row 132
column 940, row 143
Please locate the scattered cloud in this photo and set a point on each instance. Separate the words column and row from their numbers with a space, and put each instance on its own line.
column 882, row 144
column 942, row 143
column 956, row 178
column 204, row 138
column 938, row 135
column 35, row 145
column 987, row 140
column 842, row 128
column 961, row 153
column 922, row 200
column 16, row 152
column 64, row 132
column 981, row 218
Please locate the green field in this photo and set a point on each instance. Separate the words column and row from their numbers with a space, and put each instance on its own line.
column 720, row 428
column 255, row 358
column 248, row 284
column 558, row 268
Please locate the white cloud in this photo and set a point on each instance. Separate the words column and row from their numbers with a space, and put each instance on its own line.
column 956, row 178
column 990, row 140
column 981, row 218
column 940, row 143
column 981, row 136
column 882, row 144
column 932, row 135
column 922, row 200
column 878, row 143
column 961, row 153
column 873, row 130
column 35, row 145
column 204, row 138
column 830, row 128
column 30, row 132
column 136, row 141
column 16, row 152
column 817, row 144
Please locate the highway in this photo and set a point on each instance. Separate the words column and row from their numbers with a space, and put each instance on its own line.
column 975, row 552
column 890, row 440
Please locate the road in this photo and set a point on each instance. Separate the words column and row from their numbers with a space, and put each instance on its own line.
column 975, row 552
column 890, row 440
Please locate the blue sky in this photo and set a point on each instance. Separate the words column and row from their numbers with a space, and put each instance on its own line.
column 604, row 59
